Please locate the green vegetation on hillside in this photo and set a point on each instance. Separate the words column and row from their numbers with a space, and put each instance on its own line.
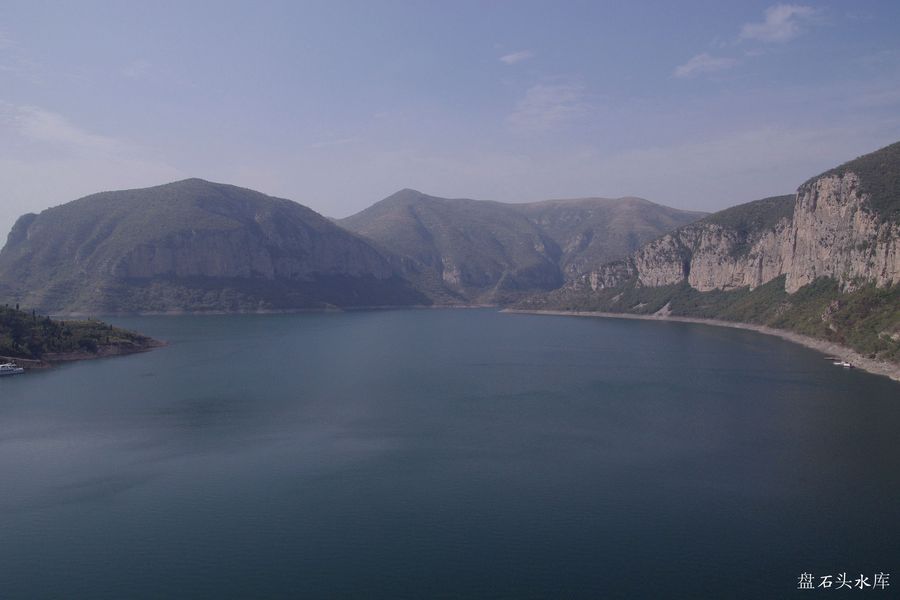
column 879, row 177
column 482, row 251
column 192, row 245
column 756, row 216
column 866, row 319
column 751, row 219
column 863, row 317
column 32, row 336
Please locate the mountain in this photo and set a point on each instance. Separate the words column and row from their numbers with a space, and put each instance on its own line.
column 463, row 250
column 481, row 251
column 191, row 245
column 592, row 231
column 824, row 262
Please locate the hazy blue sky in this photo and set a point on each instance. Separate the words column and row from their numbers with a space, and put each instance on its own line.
column 337, row 104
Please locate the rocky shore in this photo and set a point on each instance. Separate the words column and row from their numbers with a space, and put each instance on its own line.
column 51, row 359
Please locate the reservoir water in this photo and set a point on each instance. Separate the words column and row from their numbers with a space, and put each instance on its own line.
column 446, row 454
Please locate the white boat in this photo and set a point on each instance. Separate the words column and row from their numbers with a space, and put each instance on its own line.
column 10, row 369
column 842, row 363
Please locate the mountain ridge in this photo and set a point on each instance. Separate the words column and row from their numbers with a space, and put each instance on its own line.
column 495, row 252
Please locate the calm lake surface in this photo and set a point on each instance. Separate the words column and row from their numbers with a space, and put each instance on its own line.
column 446, row 453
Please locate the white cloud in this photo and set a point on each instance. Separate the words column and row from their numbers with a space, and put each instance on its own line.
column 516, row 57
column 39, row 125
column 782, row 23
column 703, row 63
column 547, row 107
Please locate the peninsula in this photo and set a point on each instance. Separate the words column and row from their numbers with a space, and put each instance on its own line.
column 37, row 341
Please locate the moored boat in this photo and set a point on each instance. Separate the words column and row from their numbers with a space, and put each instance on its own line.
column 10, row 369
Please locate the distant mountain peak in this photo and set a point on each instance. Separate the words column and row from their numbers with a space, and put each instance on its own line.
column 485, row 251
column 193, row 181
column 407, row 195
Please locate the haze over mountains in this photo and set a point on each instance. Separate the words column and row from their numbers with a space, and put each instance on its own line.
column 493, row 252
column 824, row 262
column 194, row 245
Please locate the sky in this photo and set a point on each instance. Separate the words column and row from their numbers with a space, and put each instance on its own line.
column 693, row 104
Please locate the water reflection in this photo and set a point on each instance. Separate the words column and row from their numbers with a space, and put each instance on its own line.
column 455, row 453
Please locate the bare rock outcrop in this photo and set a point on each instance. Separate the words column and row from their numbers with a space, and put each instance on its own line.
column 835, row 234
column 831, row 230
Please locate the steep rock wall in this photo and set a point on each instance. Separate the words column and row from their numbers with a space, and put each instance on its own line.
column 832, row 232
column 835, row 234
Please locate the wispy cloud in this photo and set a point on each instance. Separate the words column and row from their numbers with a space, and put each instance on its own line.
column 782, row 23
column 675, row 173
column 5, row 40
column 881, row 59
column 516, row 57
column 44, row 126
column 15, row 62
column 137, row 69
column 47, row 159
column 546, row 107
column 704, row 63
column 334, row 142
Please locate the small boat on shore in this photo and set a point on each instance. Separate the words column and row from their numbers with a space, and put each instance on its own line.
column 843, row 363
column 10, row 369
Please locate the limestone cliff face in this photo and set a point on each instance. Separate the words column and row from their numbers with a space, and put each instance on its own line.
column 835, row 234
column 741, row 266
column 608, row 276
column 711, row 256
column 829, row 230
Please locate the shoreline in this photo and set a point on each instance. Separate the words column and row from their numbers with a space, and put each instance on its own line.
column 279, row 311
column 859, row 361
column 48, row 361
column 830, row 349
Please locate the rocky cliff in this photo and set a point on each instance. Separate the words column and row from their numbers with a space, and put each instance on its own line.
column 832, row 227
column 824, row 262
column 726, row 251
column 837, row 232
